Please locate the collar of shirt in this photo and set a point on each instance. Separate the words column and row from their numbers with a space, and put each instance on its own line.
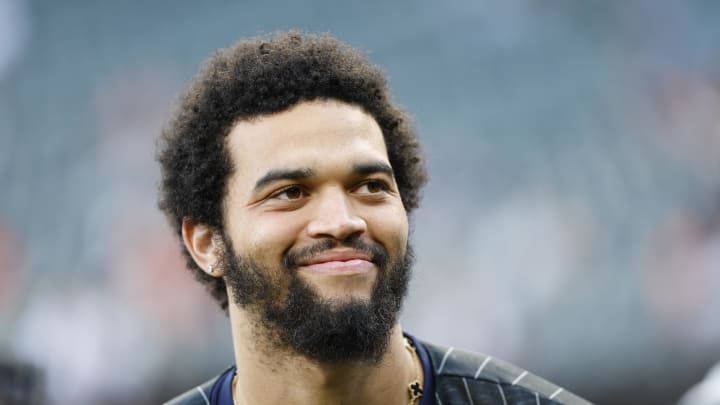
column 221, row 393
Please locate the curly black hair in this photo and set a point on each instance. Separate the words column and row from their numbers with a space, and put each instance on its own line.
column 259, row 76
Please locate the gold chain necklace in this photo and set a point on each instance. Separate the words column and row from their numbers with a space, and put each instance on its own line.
column 415, row 389
column 232, row 388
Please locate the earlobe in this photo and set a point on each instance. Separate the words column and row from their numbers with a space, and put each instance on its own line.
column 201, row 241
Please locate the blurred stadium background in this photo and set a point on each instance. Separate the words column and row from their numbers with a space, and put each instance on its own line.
column 571, row 225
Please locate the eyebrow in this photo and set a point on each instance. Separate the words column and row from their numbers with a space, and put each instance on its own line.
column 371, row 168
column 280, row 174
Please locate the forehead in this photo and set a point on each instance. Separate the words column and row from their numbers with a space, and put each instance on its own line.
column 316, row 135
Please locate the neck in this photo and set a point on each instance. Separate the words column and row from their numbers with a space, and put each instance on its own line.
column 269, row 376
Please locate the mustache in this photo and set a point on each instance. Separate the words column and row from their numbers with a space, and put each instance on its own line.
column 378, row 254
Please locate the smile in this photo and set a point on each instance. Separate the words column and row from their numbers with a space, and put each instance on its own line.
column 339, row 263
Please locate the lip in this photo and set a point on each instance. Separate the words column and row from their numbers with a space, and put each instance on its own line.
column 336, row 256
column 339, row 263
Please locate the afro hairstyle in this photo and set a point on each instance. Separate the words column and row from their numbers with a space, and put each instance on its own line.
column 261, row 76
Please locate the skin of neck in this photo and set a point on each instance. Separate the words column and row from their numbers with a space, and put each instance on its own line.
column 270, row 375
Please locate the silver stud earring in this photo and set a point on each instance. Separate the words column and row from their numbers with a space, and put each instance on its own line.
column 211, row 269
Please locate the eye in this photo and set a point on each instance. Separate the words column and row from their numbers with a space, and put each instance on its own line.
column 289, row 193
column 372, row 187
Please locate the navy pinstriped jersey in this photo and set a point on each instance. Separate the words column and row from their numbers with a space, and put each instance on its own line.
column 471, row 378
column 452, row 377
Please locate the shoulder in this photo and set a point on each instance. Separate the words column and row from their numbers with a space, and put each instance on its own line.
column 464, row 377
column 199, row 395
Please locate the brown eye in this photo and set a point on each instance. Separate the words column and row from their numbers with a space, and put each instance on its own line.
column 372, row 187
column 290, row 193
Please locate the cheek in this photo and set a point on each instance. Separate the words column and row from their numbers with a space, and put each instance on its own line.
column 271, row 235
column 390, row 228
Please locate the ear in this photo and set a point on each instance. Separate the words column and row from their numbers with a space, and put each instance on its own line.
column 203, row 243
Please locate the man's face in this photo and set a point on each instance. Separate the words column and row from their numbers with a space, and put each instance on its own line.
column 315, row 230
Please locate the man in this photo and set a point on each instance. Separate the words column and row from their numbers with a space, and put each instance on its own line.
column 289, row 175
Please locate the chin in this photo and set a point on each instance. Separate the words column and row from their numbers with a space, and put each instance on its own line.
column 341, row 299
column 358, row 286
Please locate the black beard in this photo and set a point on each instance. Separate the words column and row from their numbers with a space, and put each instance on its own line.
column 316, row 328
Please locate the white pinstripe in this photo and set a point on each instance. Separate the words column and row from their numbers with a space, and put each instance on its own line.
column 467, row 391
column 502, row 394
column 520, row 377
column 537, row 398
column 482, row 366
column 444, row 359
column 437, row 398
column 207, row 401
column 554, row 394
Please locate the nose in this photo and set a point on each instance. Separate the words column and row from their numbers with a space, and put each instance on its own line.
column 334, row 216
